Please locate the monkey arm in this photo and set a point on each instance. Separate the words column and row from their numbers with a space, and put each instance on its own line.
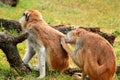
column 29, row 54
column 66, row 47
column 78, row 45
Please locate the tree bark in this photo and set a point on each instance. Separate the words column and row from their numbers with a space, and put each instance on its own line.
column 12, row 3
column 8, row 44
column 10, row 25
column 109, row 37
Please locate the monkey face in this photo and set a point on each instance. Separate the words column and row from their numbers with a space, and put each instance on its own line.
column 30, row 16
column 24, row 19
column 74, row 34
column 71, row 37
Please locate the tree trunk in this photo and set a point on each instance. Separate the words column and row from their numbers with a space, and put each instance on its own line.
column 8, row 44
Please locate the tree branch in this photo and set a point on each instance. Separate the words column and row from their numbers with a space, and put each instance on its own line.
column 20, row 38
column 8, row 45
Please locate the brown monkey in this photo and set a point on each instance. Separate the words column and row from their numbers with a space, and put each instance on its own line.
column 45, row 41
column 93, row 54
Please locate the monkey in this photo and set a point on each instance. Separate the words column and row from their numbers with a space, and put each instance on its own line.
column 93, row 54
column 45, row 41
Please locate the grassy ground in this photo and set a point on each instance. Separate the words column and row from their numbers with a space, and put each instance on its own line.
column 92, row 13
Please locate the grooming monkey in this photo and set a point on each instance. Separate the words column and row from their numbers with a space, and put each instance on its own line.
column 45, row 41
column 93, row 54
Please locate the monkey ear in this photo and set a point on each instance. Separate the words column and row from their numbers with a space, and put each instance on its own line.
column 27, row 15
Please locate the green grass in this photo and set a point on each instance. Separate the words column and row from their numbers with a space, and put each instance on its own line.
column 91, row 13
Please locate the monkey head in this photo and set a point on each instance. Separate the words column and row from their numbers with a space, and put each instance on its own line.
column 72, row 36
column 30, row 16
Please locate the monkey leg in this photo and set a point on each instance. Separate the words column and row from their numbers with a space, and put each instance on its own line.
column 42, row 62
column 29, row 54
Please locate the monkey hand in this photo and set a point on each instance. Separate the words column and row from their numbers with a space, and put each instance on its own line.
column 62, row 40
column 64, row 45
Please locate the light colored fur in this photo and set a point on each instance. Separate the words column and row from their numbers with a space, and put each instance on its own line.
column 93, row 54
column 45, row 41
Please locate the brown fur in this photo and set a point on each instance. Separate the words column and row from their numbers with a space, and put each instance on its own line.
column 57, row 57
column 93, row 54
